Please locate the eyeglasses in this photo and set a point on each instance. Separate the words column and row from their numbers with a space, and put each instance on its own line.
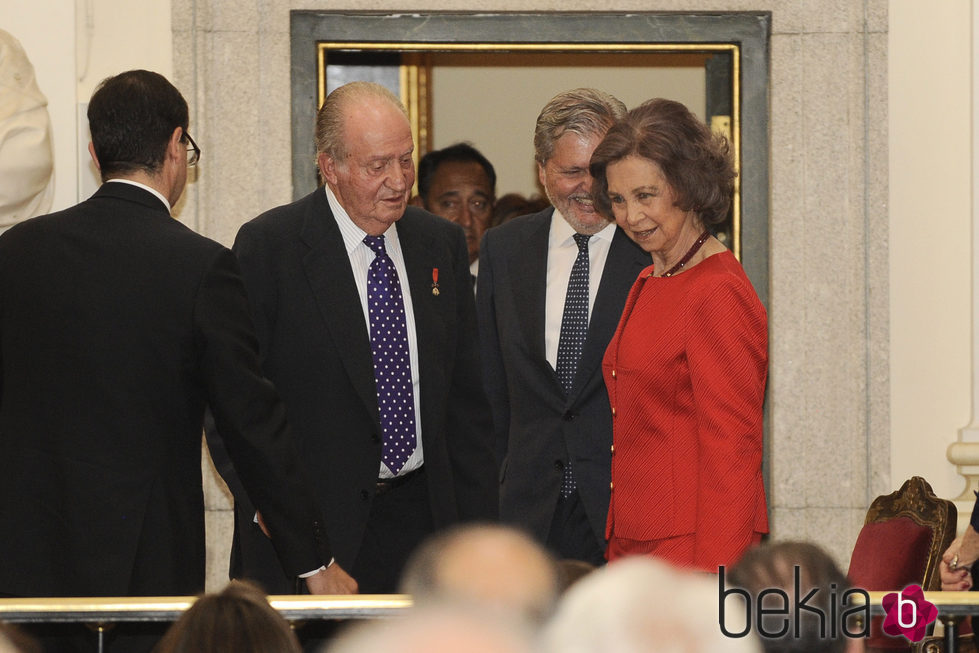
column 193, row 152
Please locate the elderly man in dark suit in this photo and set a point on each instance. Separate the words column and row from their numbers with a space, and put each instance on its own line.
column 118, row 325
column 552, row 286
column 366, row 319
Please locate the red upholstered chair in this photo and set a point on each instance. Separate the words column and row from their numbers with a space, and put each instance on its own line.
column 900, row 544
column 936, row 644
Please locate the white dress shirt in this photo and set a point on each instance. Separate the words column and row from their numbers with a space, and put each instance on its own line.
column 361, row 256
column 562, row 250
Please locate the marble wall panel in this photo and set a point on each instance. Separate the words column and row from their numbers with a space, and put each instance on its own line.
column 828, row 250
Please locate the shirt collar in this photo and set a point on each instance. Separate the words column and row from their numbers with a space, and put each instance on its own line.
column 352, row 234
column 562, row 233
column 155, row 192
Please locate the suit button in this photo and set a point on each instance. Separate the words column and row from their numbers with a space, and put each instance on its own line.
column 375, row 438
column 613, row 449
column 558, row 464
column 365, row 495
column 613, row 411
column 611, row 485
column 570, row 415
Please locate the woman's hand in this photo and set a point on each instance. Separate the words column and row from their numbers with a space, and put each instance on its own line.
column 957, row 561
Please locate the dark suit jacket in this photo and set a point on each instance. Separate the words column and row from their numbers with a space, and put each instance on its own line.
column 316, row 348
column 117, row 325
column 536, row 426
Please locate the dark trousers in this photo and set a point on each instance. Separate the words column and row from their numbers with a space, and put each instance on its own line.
column 400, row 518
column 571, row 536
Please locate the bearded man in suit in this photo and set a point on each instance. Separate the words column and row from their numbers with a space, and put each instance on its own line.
column 366, row 319
column 118, row 325
column 552, row 286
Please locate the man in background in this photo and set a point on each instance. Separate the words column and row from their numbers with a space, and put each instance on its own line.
column 118, row 325
column 459, row 184
column 543, row 336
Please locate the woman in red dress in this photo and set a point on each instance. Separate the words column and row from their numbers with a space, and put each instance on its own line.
column 687, row 366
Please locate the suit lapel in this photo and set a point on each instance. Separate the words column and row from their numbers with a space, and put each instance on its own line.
column 529, row 279
column 331, row 280
column 421, row 258
column 624, row 263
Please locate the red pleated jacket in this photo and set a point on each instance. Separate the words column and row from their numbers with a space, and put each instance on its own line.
column 686, row 373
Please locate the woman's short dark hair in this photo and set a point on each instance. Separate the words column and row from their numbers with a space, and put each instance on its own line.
column 696, row 163
column 132, row 116
column 239, row 619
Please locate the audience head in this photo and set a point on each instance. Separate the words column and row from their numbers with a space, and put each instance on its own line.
column 13, row 640
column 642, row 605
column 568, row 129
column 459, row 184
column 570, row 571
column 774, row 566
column 239, row 619
column 491, row 566
column 436, row 629
column 694, row 162
column 364, row 148
column 133, row 118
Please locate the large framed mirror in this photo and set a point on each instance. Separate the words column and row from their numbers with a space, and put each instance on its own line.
column 484, row 78
column 465, row 93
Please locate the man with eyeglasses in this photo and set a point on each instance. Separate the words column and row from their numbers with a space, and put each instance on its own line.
column 118, row 325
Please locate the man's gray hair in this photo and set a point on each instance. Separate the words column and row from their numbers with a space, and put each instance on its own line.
column 643, row 605
column 433, row 628
column 509, row 570
column 330, row 117
column 583, row 111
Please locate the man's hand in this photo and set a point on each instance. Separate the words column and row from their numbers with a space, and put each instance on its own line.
column 332, row 580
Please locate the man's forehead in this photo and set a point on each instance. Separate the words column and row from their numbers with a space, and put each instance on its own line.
column 387, row 155
column 374, row 121
column 457, row 191
column 380, row 143
column 459, row 173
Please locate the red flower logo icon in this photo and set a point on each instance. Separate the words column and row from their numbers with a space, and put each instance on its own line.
column 908, row 613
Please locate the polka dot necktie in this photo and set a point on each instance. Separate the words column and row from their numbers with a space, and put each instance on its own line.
column 392, row 365
column 574, row 328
